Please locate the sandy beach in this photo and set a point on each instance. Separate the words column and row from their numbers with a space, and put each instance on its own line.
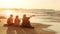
column 39, row 29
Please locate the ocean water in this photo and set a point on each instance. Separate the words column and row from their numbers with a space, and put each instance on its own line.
column 40, row 18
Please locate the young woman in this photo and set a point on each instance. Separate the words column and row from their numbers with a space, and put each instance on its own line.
column 26, row 22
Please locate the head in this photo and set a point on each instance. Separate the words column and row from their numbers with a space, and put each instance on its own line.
column 17, row 16
column 11, row 15
column 24, row 15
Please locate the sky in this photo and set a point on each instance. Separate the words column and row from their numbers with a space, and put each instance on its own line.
column 31, row 4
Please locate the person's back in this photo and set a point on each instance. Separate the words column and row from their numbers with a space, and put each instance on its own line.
column 10, row 20
column 24, row 20
column 17, row 21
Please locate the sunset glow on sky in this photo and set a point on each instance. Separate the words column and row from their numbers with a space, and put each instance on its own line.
column 31, row 4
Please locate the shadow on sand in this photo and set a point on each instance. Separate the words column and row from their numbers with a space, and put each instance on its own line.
column 39, row 29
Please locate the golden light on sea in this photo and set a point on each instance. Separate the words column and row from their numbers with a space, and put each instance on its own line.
column 8, row 12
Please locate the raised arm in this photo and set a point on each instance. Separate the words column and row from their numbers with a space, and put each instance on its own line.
column 32, row 16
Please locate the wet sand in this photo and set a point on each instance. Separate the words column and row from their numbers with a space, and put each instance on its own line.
column 39, row 29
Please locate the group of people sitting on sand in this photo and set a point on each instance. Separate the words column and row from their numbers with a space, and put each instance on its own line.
column 25, row 21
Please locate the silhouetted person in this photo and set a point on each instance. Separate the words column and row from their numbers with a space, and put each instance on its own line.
column 17, row 21
column 26, row 22
column 10, row 20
